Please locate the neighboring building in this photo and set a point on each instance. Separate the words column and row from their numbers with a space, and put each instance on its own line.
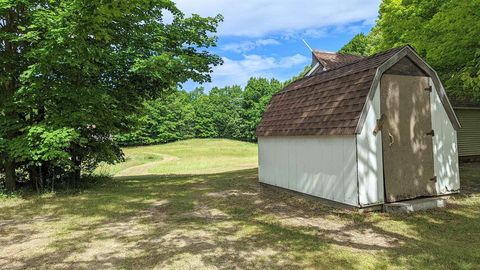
column 468, row 114
column 362, row 132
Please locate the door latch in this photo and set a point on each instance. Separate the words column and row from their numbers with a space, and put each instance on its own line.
column 431, row 133
column 434, row 179
column 392, row 140
column 428, row 89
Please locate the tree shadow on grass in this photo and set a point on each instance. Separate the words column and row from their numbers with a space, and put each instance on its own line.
column 229, row 220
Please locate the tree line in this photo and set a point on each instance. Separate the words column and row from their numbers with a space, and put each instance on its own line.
column 229, row 112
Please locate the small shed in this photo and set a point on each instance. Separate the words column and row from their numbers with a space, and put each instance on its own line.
column 468, row 113
column 362, row 131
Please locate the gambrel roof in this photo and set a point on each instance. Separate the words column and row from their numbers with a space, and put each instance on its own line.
column 334, row 102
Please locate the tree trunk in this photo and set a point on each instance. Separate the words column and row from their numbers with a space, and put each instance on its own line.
column 77, row 170
column 42, row 176
column 10, row 177
column 77, row 175
column 33, row 176
column 53, row 180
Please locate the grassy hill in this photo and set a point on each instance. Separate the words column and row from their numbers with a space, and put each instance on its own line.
column 197, row 156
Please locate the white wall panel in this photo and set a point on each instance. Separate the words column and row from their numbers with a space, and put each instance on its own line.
column 350, row 190
column 444, row 147
column 370, row 157
column 323, row 166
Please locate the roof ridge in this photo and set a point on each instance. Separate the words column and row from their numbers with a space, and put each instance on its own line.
column 318, row 51
column 359, row 60
column 349, row 54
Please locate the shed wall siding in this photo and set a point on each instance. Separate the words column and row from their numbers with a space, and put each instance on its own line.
column 323, row 166
column 469, row 134
column 370, row 157
column 445, row 148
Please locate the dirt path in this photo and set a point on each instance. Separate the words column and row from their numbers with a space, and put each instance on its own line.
column 144, row 169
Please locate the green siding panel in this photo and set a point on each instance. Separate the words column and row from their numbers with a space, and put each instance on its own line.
column 469, row 134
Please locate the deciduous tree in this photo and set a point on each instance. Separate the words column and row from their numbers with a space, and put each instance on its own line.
column 444, row 32
column 88, row 65
column 256, row 97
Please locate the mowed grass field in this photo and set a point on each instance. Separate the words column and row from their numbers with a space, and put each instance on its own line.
column 197, row 156
column 198, row 205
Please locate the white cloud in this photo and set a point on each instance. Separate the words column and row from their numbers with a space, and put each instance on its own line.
column 246, row 46
column 267, row 42
column 239, row 71
column 256, row 18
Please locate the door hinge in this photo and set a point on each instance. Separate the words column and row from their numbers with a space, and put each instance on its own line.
column 428, row 89
column 434, row 179
column 379, row 125
column 431, row 133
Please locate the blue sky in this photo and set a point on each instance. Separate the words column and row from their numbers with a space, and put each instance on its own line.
column 264, row 37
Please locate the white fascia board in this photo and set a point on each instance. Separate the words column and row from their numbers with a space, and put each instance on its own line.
column 317, row 65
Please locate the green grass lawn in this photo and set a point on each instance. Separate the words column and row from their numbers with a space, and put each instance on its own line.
column 197, row 156
column 215, row 215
